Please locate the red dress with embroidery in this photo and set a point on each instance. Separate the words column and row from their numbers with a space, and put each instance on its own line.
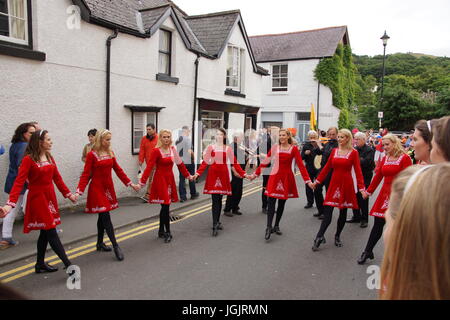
column 164, row 188
column 341, row 191
column 218, row 180
column 41, row 211
column 281, row 183
column 101, row 194
column 387, row 170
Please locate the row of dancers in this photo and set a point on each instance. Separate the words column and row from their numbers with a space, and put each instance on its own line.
column 40, row 171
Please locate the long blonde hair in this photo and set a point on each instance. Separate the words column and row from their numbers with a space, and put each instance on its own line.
column 398, row 148
column 163, row 131
column 99, row 136
column 416, row 262
column 349, row 136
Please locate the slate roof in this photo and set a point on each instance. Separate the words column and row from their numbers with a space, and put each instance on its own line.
column 298, row 45
column 204, row 34
column 213, row 30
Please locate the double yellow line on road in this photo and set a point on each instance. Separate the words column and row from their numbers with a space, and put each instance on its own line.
column 27, row 269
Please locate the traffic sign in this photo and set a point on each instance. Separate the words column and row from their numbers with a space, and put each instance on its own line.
column 380, row 115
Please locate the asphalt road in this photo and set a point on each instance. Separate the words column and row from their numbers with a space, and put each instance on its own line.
column 237, row 264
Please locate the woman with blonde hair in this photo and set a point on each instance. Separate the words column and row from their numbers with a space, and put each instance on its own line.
column 341, row 191
column 101, row 199
column 395, row 161
column 281, row 185
column 164, row 188
column 416, row 263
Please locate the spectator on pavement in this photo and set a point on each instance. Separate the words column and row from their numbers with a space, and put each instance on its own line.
column 148, row 143
column 87, row 148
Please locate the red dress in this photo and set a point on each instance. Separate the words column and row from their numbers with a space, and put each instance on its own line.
column 281, row 183
column 387, row 170
column 164, row 188
column 101, row 194
column 41, row 211
column 341, row 191
column 218, row 180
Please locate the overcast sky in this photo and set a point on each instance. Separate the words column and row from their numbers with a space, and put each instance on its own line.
column 419, row 26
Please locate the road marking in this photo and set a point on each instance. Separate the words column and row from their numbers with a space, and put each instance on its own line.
column 120, row 237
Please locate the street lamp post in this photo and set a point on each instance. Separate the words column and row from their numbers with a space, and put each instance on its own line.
column 385, row 39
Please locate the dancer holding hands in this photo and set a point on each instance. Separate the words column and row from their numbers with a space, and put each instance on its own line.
column 218, row 157
column 164, row 188
column 281, row 184
column 101, row 197
column 341, row 191
column 39, row 169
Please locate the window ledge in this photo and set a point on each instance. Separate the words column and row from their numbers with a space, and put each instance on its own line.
column 22, row 53
column 231, row 92
column 166, row 78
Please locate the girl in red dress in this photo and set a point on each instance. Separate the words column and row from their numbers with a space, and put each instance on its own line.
column 281, row 184
column 395, row 161
column 341, row 191
column 101, row 194
column 38, row 168
column 218, row 157
column 164, row 188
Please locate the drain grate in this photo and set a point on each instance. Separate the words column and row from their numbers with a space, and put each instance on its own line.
column 175, row 218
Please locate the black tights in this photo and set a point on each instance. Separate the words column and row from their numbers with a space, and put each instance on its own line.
column 50, row 236
column 375, row 234
column 216, row 207
column 104, row 223
column 271, row 211
column 328, row 214
column 164, row 219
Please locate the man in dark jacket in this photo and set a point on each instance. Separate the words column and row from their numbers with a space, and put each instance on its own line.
column 237, row 183
column 366, row 157
column 325, row 151
column 309, row 153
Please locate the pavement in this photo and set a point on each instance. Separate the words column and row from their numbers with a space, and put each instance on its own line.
column 78, row 226
column 238, row 264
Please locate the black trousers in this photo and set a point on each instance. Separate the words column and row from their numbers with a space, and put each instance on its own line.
column 216, row 207
column 164, row 219
column 104, row 223
column 363, row 212
column 328, row 213
column 263, row 196
column 271, row 211
column 310, row 192
column 375, row 234
column 46, row 237
column 232, row 203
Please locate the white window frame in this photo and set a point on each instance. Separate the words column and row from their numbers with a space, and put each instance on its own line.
column 164, row 52
column 139, row 129
column 235, row 67
column 12, row 39
column 279, row 76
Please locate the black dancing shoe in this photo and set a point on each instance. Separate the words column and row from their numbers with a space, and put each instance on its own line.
column 321, row 217
column 363, row 224
column 364, row 256
column 317, row 214
column 268, row 233
column 103, row 247
column 118, row 253
column 195, row 196
column 215, row 231
column 237, row 212
column 44, row 268
column 219, row 226
column 309, row 205
column 161, row 234
column 168, row 237
column 337, row 242
column 276, row 230
column 317, row 242
column 353, row 220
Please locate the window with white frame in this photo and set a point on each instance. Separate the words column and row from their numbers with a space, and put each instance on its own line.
column 234, row 68
column 165, row 52
column 280, row 77
column 14, row 21
column 140, row 121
